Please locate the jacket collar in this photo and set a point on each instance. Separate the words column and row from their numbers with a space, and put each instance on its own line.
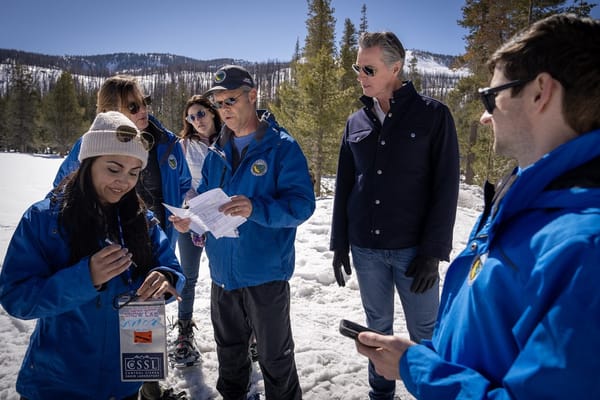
column 550, row 181
column 226, row 133
column 402, row 95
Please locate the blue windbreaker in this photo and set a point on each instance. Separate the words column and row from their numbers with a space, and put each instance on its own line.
column 174, row 172
column 520, row 310
column 75, row 343
column 274, row 175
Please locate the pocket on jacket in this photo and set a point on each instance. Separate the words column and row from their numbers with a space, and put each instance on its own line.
column 357, row 136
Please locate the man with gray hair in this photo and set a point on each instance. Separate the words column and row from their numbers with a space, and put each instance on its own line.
column 395, row 197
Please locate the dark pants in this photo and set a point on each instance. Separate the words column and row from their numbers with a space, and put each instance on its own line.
column 264, row 310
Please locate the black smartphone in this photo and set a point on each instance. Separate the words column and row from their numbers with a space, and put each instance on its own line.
column 352, row 329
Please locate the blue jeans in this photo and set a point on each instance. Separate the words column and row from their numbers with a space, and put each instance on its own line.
column 189, row 256
column 378, row 272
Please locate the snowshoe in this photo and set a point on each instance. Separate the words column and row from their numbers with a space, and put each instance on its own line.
column 185, row 353
column 153, row 391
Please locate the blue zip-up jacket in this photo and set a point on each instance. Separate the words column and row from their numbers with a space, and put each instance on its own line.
column 274, row 175
column 75, row 343
column 520, row 310
column 397, row 183
column 174, row 172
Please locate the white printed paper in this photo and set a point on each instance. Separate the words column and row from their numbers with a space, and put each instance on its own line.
column 206, row 217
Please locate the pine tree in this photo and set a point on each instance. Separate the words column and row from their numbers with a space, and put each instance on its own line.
column 87, row 100
column 490, row 23
column 310, row 106
column 21, row 106
column 413, row 74
column 3, row 130
column 62, row 117
column 349, row 86
column 363, row 20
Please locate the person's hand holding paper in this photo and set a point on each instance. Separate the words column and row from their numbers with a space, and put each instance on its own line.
column 205, row 216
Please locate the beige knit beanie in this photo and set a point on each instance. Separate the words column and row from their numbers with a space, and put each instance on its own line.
column 112, row 133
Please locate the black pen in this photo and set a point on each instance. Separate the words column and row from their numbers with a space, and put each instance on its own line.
column 109, row 242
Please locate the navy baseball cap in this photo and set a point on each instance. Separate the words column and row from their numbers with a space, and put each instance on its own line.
column 230, row 77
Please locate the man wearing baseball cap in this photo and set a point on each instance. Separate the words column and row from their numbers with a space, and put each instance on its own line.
column 263, row 170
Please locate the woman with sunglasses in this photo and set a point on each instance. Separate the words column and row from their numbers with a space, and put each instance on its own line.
column 201, row 125
column 72, row 254
column 167, row 177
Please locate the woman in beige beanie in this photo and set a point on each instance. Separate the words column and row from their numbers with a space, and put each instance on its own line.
column 90, row 241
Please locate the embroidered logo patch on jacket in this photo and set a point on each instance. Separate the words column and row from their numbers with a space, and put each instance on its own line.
column 259, row 167
column 172, row 161
column 476, row 267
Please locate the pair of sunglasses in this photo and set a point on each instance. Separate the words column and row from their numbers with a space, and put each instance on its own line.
column 367, row 69
column 488, row 95
column 126, row 134
column 134, row 107
column 198, row 116
column 230, row 101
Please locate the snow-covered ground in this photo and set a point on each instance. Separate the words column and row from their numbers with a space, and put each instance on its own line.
column 328, row 364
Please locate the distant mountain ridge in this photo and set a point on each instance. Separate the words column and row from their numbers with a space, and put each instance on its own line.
column 449, row 61
column 138, row 63
column 110, row 64
column 160, row 73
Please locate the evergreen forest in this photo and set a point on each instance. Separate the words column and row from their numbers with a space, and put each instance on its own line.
column 47, row 102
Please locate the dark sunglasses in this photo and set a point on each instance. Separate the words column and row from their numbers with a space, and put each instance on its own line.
column 368, row 70
column 227, row 102
column 488, row 95
column 126, row 134
column 192, row 117
column 134, row 106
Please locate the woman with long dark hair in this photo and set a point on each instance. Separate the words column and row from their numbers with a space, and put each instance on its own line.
column 73, row 255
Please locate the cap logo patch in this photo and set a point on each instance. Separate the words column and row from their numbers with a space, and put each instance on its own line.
column 220, row 76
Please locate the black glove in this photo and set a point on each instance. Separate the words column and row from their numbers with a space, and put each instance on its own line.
column 340, row 258
column 424, row 271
